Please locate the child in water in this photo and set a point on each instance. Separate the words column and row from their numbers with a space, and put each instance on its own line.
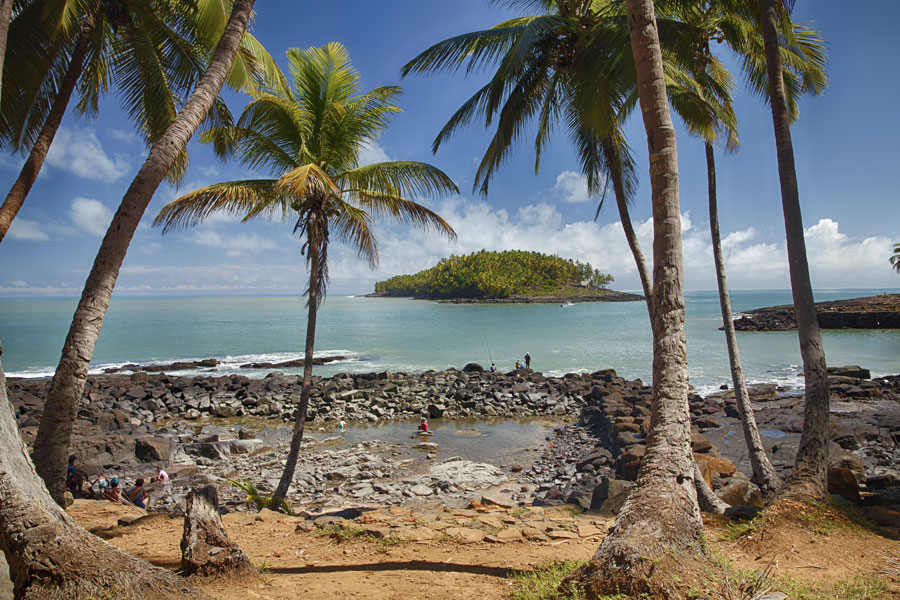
column 423, row 426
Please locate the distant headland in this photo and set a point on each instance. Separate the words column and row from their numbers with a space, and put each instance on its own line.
column 511, row 276
column 872, row 312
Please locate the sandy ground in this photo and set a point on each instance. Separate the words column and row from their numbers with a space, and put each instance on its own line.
column 462, row 553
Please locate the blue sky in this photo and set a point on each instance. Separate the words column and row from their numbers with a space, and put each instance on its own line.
column 845, row 146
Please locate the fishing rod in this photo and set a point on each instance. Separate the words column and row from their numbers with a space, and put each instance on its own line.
column 488, row 345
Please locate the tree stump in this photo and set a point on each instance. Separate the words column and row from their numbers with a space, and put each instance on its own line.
column 205, row 547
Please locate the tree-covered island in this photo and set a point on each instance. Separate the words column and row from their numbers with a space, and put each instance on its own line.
column 509, row 276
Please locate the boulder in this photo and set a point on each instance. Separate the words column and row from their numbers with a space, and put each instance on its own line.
column 436, row 411
column 854, row 371
column 154, row 449
column 738, row 492
column 606, row 489
column 848, row 460
column 719, row 466
column 842, row 481
column 473, row 368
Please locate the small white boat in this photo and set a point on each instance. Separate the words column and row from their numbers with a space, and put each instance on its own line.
column 566, row 305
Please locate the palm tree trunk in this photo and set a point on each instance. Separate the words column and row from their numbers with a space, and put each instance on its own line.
column 5, row 16
column 708, row 500
column 49, row 555
column 64, row 395
column 763, row 473
column 287, row 476
column 27, row 176
column 810, row 475
column 661, row 518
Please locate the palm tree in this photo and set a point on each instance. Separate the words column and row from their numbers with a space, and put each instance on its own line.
column 5, row 16
column 152, row 53
column 309, row 138
column 66, row 387
column 661, row 516
column 895, row 259
column 809, row 478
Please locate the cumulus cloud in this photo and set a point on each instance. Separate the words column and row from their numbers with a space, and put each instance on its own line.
column 26, row 229
column 234, row 245
column 372, row 153
column 79, row 152
column 754, row 259
column 90, row 216
column 571, row 187
column 836, row 260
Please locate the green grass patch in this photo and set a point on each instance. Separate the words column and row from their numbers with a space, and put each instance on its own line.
column 542, row 583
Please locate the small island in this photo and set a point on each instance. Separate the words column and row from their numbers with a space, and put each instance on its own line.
column 511, row 276
column 872, row 312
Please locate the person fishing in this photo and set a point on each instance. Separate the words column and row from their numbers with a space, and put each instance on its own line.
column 527, row 360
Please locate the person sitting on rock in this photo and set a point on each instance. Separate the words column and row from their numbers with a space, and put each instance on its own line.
column 75, row 478
column 423, row 426
column 113, row 493
column 137, row 494
column 493, row 368
column 518, row 365
column 161, row 476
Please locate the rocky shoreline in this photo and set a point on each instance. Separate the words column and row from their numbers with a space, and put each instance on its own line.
column 872, row 312
column 128, row 423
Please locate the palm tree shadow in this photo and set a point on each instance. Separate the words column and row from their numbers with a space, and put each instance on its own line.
column 408, row 565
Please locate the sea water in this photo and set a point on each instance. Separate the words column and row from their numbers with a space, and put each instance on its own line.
column 398, row 334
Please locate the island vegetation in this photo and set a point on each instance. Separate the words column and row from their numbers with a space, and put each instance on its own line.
column 508, row 274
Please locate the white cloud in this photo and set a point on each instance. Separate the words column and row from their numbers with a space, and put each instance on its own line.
column 234, row 245
column 371, row 153
column 571, row 187
column 150, row 248
column 26, row 229
column 91, row 216
column 79, row 152
column 836, row 260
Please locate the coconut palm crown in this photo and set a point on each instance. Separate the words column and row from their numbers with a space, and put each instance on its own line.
column 311, row 137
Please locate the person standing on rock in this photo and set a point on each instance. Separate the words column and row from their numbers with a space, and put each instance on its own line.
column 527, row 360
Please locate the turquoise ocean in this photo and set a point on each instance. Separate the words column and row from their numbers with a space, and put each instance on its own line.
column 398, row 334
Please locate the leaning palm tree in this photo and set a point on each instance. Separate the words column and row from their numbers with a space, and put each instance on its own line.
column 151, row 54
column 809, row 477
column 309, row 138
column 64, row 395
column 895, row 258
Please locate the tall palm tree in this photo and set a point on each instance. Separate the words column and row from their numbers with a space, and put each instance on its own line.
column 64, row 395
column 151, row 53
column 309, row 138
column 5, row 16
column 739, row 31
column 661, row 515
column 809, row 477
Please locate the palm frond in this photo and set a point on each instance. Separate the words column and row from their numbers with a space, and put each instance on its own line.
column 381, row 205
column 240, row 198
column 408, row 178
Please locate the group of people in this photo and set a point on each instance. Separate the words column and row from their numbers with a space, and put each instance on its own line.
column 519, row 364
column 79, row 484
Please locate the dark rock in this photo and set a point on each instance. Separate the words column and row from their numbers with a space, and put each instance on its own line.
column 743, row 512
column 473, row 368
